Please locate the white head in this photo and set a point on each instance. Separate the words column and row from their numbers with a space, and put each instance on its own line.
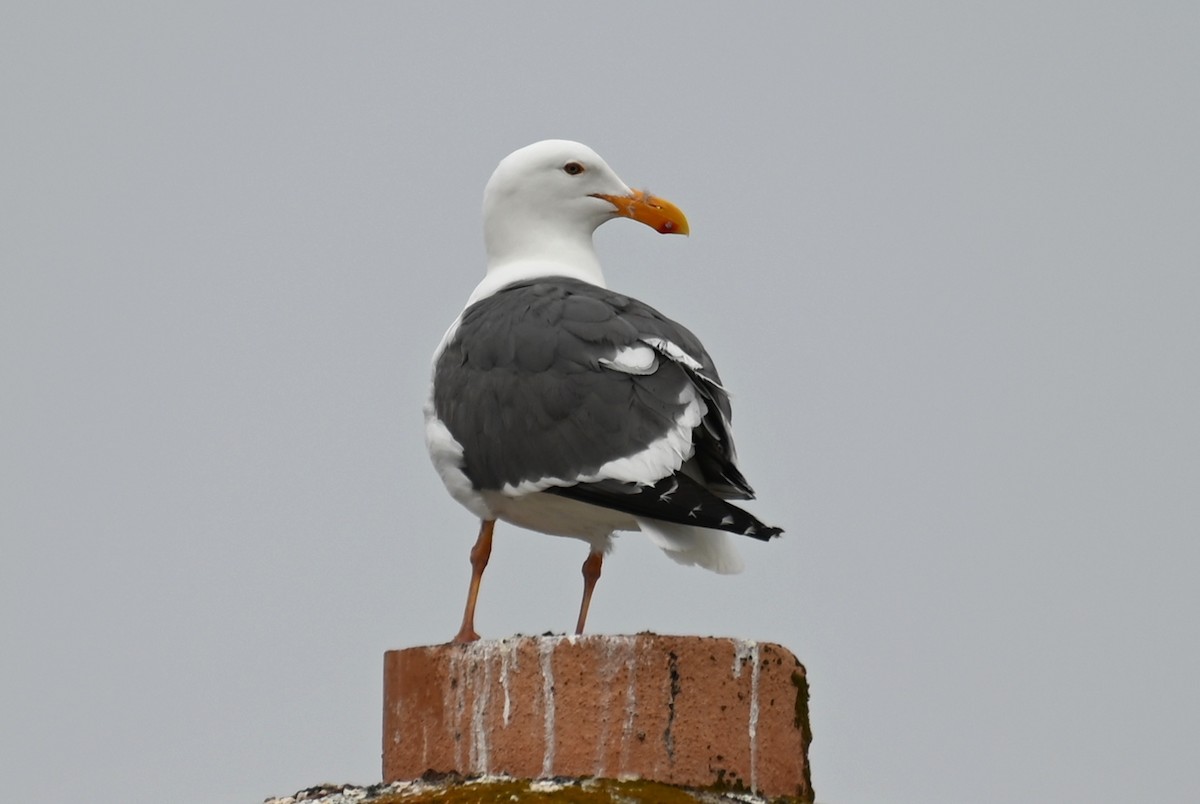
column 543, row 203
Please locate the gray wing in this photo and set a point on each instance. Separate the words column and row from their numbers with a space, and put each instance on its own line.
column 527, row 385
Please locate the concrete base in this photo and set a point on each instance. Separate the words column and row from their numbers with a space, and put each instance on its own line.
column 688, row 711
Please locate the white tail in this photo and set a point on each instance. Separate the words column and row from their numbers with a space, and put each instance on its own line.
column 711, row 549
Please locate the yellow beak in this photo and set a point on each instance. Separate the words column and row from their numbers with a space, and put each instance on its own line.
column 657, row 213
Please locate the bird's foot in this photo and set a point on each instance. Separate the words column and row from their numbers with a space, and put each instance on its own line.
column 465, row 636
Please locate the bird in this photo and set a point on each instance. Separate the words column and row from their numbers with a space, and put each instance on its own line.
column 564, row 407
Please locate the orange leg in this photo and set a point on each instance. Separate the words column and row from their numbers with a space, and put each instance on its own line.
column 591, row 574
column 480, row 554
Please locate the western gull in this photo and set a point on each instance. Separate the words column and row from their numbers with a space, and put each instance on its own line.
column 570, row 409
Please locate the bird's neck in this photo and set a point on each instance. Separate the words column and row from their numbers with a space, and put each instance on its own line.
column 526, row 255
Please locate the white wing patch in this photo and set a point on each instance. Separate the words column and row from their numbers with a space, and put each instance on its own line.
column 673, row 351
column 639, row 359
column 662, row 457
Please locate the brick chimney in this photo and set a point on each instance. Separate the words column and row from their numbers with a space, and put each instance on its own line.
column 695, row 712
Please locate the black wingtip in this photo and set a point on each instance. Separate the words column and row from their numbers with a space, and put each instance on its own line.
column 761, row 532
column 764, row 533
column 676, row 498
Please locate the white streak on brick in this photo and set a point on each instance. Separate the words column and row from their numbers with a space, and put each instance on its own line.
column 457, row 705
column 746, row 650
column 630, row 701
column 608, row 674
column 546, row 649
column 754, row 720
column 483, row 655
column 743, row 649
column 507, row 658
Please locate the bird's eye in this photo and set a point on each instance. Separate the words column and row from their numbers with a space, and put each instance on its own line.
column 573, row 168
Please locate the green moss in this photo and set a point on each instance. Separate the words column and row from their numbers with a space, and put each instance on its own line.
column 800, row 682
column 586, row 791
column 728, row 782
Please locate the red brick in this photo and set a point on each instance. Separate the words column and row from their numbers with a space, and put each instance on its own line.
column 688, row 711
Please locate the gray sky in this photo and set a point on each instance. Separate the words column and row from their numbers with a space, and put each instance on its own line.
column 945, row 255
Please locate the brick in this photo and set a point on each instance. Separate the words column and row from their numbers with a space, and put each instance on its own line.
column 688, row 711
